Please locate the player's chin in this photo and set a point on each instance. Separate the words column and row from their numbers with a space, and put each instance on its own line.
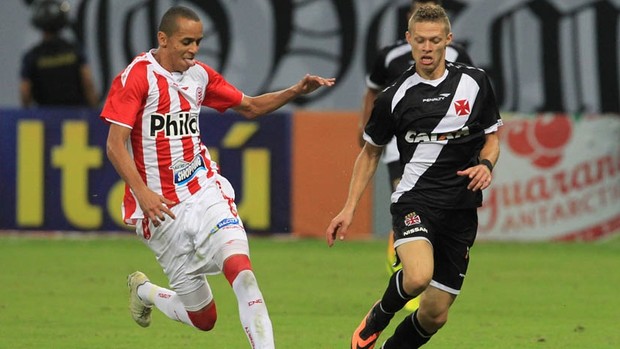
column 183, row 65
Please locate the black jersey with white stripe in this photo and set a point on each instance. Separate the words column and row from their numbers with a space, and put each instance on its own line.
column 393, row 60
column 440, row 127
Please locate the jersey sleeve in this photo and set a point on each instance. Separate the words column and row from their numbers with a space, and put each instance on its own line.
column 490, row 117
column 220, row 94
column 126, row 97
column 381, row 126
column 377, row 76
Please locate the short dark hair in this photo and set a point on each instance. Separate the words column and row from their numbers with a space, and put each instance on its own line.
column 168, row 23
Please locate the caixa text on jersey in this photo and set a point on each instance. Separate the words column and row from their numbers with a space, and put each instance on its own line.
column 417, row 137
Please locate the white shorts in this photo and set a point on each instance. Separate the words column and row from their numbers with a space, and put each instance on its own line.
column 206, row 231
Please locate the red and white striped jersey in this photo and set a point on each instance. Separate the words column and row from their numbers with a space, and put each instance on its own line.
column 162, row 108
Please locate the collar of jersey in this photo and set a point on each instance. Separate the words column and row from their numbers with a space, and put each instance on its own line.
column 435, row 82
column 175, row 76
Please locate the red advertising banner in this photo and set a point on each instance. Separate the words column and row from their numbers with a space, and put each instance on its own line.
column 558, row 178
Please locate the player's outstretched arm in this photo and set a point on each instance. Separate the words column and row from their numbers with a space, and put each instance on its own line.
column 252, row 107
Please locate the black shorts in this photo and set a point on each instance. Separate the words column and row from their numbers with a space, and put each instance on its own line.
column 395, row 171
column 451, row 233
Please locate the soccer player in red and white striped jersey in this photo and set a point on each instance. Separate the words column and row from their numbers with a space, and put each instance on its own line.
column 182, row 208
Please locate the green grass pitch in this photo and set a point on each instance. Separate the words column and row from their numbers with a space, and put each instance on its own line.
column 71, row 293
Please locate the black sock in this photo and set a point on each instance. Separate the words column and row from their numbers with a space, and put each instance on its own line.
column 408, row 335
column 395, row 297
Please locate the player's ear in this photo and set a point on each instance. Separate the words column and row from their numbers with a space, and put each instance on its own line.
column 449, row 38
column 162, row 39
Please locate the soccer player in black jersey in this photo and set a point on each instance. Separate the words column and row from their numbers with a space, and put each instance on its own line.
column 55, row 72
column 389, row 64
column 445, row 119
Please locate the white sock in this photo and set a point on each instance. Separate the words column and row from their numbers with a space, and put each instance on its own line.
column 165, row 300
column 253, row 311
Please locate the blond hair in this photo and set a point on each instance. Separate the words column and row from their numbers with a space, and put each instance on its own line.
column 430, row 13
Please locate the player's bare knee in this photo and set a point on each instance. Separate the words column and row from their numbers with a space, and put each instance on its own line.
column 414, row 283
column 439, row 321
column 432, row 321
column 205, row 318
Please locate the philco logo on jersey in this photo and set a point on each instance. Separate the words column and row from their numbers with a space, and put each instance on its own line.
column 177, row 124
column 419, row 137
column 441, row 97
column 184, row 171
column 411, row 219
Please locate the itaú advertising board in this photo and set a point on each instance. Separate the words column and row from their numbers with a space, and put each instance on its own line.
column 558, row 178
column 56, row 176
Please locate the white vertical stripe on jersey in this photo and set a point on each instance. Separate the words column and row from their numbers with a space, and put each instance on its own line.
column 150, row 154
column 425, row 154
column 176, row 142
